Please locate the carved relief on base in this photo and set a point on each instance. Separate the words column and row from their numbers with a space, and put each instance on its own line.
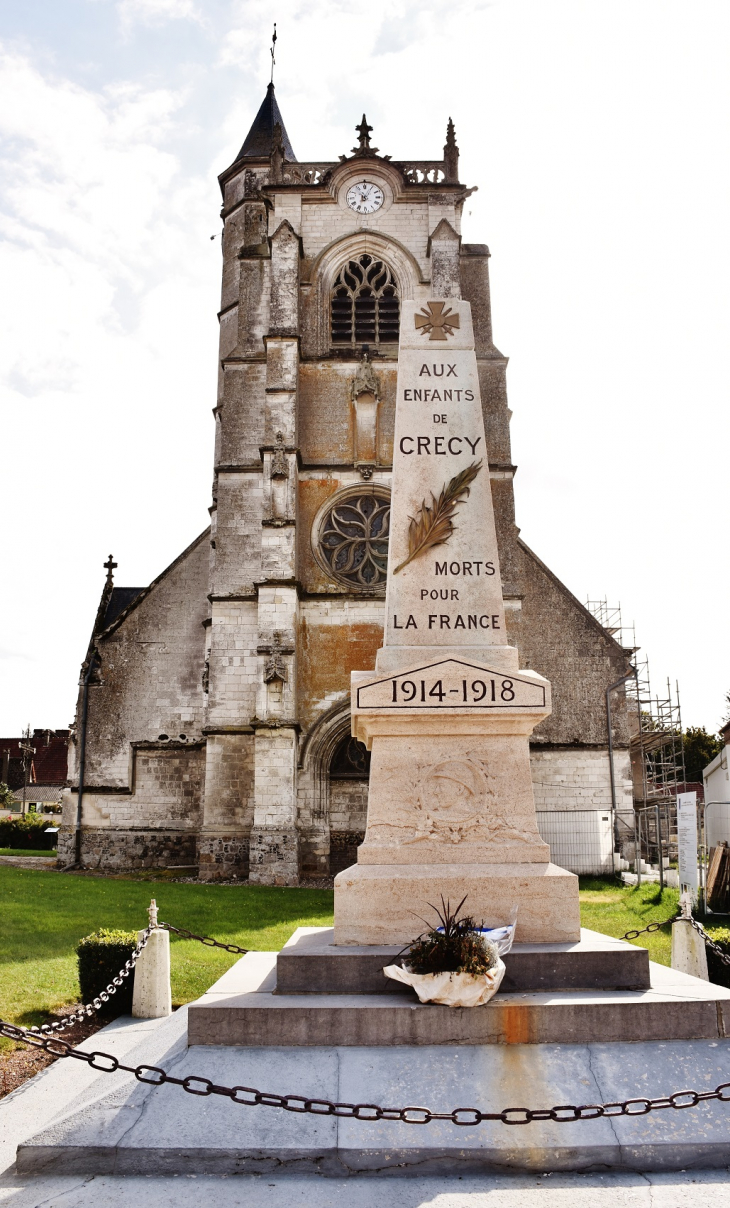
column 451, row 800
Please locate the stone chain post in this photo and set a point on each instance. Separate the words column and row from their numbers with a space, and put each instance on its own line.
column 688, row 946
column 152, row 998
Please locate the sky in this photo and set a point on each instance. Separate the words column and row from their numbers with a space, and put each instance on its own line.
column 597, row 134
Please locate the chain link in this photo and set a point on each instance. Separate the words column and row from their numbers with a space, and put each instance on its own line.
column 90, row 1008
column 464, row 1117
column 724, row 957
column 46, row 1037
column 632, row 935
column 204, row 939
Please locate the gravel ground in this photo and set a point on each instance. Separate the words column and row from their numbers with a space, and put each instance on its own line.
column 19, row 1063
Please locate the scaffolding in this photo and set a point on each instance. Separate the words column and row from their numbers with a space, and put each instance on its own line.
column 657, row 755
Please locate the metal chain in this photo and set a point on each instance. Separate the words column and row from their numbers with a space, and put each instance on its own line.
column 631, row 935
column 38, row 1037
column 248, row 1096
column 204, row 939
column 89, row 1009
column 710, row 943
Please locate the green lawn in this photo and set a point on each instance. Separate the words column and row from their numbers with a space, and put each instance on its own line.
column 48, row 853
column 615, row 909
column 45, row 914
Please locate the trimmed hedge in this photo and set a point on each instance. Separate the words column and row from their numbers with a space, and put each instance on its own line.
column 101, row 956
column 719, row 972
column 28, row 832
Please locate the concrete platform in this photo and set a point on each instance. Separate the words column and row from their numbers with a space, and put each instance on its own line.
column 122, row 1127
column 243, row 1009
column 311, row 963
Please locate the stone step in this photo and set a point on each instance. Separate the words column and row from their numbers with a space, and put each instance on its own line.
column 120, row 1126
column 243, row 1009
column 310, row 963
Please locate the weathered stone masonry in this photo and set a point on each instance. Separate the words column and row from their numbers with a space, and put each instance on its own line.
column 218, row 731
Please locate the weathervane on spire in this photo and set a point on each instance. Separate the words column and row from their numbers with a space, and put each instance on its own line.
column 273, row 48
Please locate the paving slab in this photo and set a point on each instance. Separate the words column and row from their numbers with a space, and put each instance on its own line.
column 41, row 1098
column 311, row 963
column 691, row 1189
column 140, row 1129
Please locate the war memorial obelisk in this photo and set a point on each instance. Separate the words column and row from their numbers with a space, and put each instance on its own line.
column 447, row 714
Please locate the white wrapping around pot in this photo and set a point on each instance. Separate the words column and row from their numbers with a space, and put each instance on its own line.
column 451, row 989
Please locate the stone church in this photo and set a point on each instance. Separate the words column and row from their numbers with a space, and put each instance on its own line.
column 214, row 703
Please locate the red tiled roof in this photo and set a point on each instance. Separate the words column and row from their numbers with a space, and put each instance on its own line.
column 50, row 761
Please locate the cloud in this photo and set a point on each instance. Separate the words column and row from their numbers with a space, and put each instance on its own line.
column 157, row 12
column 108, row 351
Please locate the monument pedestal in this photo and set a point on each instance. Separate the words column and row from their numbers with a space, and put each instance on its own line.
column 451, row 811
column 388, row 903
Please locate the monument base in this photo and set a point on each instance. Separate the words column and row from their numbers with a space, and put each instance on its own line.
column 653, row 1042
column 387, row 903
column 311, row 963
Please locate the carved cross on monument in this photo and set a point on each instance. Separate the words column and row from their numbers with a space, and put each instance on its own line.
column 447, row 714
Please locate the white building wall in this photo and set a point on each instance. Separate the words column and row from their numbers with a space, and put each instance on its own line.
column 573, row 802
column 716, row 777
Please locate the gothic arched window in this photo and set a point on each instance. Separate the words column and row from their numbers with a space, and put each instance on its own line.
column 364, row 304
column 350, row 761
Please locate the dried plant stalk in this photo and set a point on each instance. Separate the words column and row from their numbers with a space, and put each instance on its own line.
column 434, row 524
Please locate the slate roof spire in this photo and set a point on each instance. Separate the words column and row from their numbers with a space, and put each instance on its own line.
column 259, row 141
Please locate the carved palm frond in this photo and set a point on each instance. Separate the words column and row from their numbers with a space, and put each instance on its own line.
column 434, row 523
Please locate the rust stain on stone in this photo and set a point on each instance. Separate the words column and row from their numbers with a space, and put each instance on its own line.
column 328, row 653
column 516, row 1025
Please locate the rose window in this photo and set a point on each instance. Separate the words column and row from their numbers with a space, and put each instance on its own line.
column 353, row 539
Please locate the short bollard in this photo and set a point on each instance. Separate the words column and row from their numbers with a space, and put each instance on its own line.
column 688, row 950
column 152, row 997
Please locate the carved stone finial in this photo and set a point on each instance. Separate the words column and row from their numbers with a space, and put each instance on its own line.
column 279, row 462
column 365, row 380
column 152, row 912
column 451, row 156
column 274, row 667
column 278, row 155
column 363, row 147
column 110, row 566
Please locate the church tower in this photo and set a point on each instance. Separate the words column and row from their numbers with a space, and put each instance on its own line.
column 227, row 745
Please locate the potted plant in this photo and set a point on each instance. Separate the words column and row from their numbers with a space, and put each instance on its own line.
column 455, row 963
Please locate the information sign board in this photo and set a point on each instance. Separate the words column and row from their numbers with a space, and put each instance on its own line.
column 687, row 841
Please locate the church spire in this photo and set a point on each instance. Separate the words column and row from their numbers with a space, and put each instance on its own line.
column 451, row 155
column 260, row 140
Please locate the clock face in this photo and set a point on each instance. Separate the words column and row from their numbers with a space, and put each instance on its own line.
column 365, row 197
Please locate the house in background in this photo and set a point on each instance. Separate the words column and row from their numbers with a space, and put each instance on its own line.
column 43, row 770
column 716, row 777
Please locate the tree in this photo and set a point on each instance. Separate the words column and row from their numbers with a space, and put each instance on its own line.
column 7, row 797
column 700, row 748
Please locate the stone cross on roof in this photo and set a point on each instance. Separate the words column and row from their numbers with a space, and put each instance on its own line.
column 363, row 143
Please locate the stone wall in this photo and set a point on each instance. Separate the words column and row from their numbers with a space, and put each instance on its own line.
column 559, row 638
column 152, row 662
column 579, row 779
column 120, row 849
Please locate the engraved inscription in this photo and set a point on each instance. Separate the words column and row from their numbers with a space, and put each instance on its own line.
column 451, row 684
